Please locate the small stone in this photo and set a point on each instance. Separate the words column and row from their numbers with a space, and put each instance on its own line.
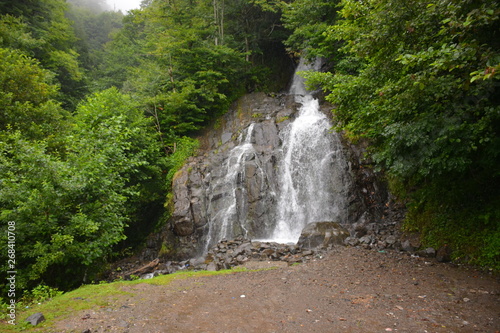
column 365, row 240
column 406, row 246
column 36, row 318
column 391, row 239
column 212, row 267
column 351, row 241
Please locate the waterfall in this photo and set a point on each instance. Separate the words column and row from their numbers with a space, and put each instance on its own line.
column 229, row 194
column 311, row 185
column 312, row 169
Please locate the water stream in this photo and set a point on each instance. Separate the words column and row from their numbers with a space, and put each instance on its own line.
column 311, row 178
column 312, row 169
column 229, row 219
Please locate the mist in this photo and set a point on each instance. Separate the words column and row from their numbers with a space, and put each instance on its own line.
column 96, row 6
column 124, row 5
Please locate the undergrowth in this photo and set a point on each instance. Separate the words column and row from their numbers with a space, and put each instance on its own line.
column 465, row 218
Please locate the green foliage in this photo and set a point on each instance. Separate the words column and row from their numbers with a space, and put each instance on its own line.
column 187, row 61
column 94, row 29
column 187, row 77
column 67, row 213
column 41, row 30
column 120, row 55
column 40, row 294
column 26, row 97
column 419, row 81
column 71, row 209
column 185, row 148
column 459, row 214
column 414, row 97
column 309, row 21
column 112, row 124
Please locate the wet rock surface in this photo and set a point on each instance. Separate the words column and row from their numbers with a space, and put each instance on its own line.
column 322, row 235
column 203, row 198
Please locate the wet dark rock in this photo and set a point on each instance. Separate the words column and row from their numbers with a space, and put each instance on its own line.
column 427, row 253
column 360, row 230
column 406, row 246
column 35, row 319
column 322, row 234
column 197, row 198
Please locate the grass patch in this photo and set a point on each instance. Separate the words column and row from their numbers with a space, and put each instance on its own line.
column 90, row 297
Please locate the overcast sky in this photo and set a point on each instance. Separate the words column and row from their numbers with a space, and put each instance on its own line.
column 124, row 5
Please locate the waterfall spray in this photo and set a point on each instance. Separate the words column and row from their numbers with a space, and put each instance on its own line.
column 312, row 188
column 229, row 219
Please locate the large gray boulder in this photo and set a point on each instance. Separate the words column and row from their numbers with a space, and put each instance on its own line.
column 322, row 234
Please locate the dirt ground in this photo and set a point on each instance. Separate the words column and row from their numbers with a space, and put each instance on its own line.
column 349, row 290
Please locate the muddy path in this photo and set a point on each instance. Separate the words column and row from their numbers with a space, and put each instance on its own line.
column 349, row 290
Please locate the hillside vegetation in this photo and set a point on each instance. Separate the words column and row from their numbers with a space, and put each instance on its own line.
column 97, row 111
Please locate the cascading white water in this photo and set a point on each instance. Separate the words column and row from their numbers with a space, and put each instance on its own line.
column 312, row 169
column 229, row 220
column 312, row 179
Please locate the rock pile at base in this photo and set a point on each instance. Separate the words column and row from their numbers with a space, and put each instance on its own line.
column 224, row 255
column 230, row 253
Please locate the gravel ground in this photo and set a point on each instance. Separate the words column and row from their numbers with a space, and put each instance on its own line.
column 349, row 290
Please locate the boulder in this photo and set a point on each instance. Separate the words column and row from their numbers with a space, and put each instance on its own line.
column 35, row 319
column 322, row 234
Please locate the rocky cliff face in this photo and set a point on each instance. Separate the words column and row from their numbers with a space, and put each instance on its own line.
column 231, row 187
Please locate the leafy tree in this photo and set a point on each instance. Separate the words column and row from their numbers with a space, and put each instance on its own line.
column 426, row 94
column 46, row 34
column 185, row 77
column 310, row 21
column 122, row 54
column 26, row 97
column 93, row 28
column 67, row 213
column 255, row 28
column 71, row 209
